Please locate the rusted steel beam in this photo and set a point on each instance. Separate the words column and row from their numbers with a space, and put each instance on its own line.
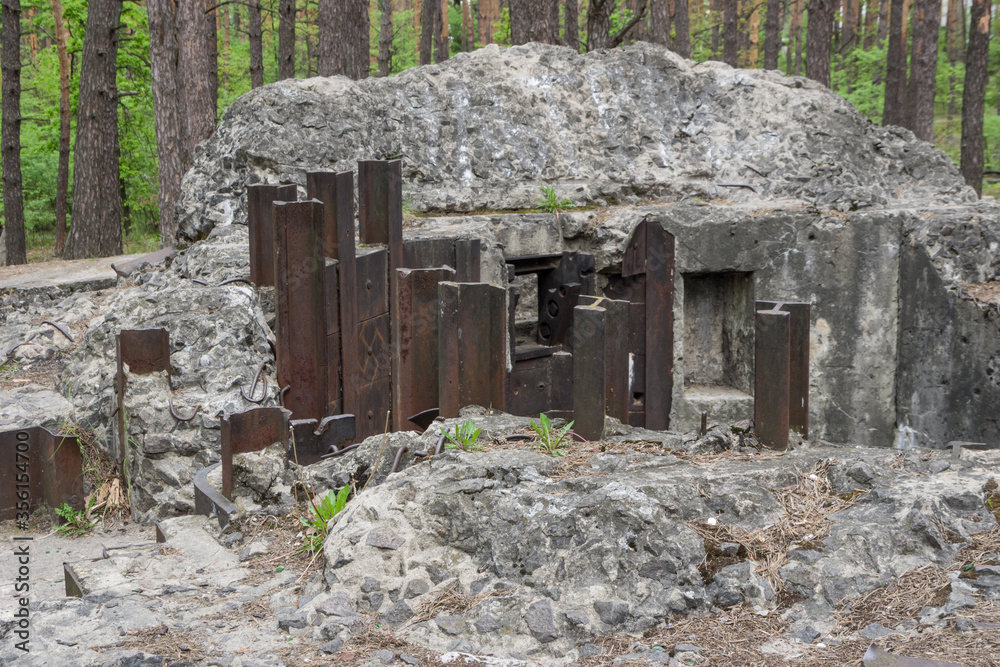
column 336, row 191
column 313, row 439
column 208, row 501
column 38, row 466
column 589, row 356
column 798, row 370
column 616, row 355
column 600, row 365
column 300, row 299
column 541, row 384
column 250, row 431
column 468, row 260
column 771, row 378
column 143, row 351
column 472, row 346
column 260, row 221
column 415, row 343
column 374, row 368
column 380, row 190
column 659, row 326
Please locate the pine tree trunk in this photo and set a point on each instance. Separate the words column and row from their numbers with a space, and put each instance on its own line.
column 754, row 33
column 257, row 43
column 429, row 17
column 169, row 145
column 923, row 68
column 794, row 63
column 443, row 50
column 489, row 14
column 974, row 96
column 895, row 68
column 211, row 23
column 385, row 38
column 682, row 28
column 730, row 36
column 534, row 21
column 819, row 35
column 96, row 229
column 286, row 39
column 343, row 38
column 193, row 74
column 598, row 23
column 660, row 29
column 10, row 135
column 772, row 34
column 571, row 24
column 62, row 176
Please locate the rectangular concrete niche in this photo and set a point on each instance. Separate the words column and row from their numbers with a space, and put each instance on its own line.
column 718, row 334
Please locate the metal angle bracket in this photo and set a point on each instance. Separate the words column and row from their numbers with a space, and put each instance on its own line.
column 39, row 465
column 312, row 439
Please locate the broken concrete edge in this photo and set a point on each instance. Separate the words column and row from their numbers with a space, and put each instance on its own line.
column 126, row 268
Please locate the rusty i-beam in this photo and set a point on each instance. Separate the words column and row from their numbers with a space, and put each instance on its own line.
column 38, row 466
column 415, row 343
column 647, row 283
column 600, row 365
column 472, row 354
column 336, row 191
column 143, row 351
column 798, row 361
column 300, row 302
column 260, row 222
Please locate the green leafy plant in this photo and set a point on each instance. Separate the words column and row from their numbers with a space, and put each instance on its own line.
column 465, row 437
column 551, row 202
column 77, row 522
column 550, row 440
column 320, row 514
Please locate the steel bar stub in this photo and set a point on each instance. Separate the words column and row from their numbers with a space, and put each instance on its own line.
column 173, row 412
column 253, row 387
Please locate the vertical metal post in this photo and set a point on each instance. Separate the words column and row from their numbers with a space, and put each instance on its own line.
column 380, row 222
column 771, row 378
column 415, row 343
column 468, row 260
column 616, row 352
column 250, row 431
column 260, row 221
column 798, row 370
column 589, row 352
column 472, row 346
column 659, row 326
column 336, row 191
column 300, row 298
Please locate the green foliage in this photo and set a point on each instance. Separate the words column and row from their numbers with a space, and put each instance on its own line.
column 551, row 203
column 502, row 34
column 77, row 523
column 465, row 437
column 550, row 440
column 315, row 526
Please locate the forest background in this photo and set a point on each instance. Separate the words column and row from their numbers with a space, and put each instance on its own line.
column 293, row 39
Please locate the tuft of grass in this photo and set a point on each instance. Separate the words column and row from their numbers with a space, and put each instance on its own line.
column 315, row 526
column 550, row 440
column 551, row 203
column 78, row 522
column 465, row 437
